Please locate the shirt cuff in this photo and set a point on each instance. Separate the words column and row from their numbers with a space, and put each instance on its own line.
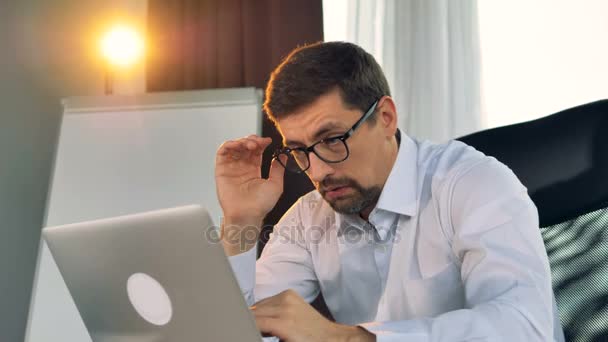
column 243, row 266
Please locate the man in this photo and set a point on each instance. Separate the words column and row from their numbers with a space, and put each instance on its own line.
column 407, row 241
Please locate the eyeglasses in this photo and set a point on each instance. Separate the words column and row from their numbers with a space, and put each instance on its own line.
column 330, row 150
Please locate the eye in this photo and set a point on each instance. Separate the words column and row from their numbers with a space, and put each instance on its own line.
column 332, row 141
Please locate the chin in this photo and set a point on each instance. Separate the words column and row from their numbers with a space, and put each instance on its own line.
column 356, row 202
column 348, row 206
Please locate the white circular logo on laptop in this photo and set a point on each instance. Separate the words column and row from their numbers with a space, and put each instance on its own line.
column 149, row 299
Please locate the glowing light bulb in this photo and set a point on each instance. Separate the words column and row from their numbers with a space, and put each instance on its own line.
column 122, row 46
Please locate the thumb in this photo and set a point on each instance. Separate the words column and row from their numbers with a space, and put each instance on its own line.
column 277, row 172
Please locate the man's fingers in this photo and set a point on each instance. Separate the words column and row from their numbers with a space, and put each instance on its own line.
column 228, row 147
column 232, row 155
column 274, row 300
column 266, row 310
column 272, row 326
column 235, row 149
column 277, row 300
column 257, row 144
column 243, row 147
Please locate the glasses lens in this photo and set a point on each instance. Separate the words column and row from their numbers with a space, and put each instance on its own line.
column 294, row 161
column 332, row 150
column 297, row 161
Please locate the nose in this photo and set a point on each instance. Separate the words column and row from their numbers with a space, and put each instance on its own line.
column 318, row 169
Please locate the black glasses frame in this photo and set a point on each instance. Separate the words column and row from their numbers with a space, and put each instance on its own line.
column 311, row 148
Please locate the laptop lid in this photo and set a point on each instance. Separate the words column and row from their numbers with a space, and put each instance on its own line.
column 155, row 276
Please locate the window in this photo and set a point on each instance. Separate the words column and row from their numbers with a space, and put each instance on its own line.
column 537, row 57
column 540, row 57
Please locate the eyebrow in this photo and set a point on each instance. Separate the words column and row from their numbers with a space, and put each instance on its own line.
column 327, row 127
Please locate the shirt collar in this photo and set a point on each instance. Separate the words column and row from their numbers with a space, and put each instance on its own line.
column 399, row 194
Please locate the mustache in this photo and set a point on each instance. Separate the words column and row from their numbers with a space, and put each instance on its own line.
column 332, row 183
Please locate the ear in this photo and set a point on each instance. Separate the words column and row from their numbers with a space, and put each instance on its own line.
column 387, row 116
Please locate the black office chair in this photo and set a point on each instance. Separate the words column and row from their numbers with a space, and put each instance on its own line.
column 563, row 161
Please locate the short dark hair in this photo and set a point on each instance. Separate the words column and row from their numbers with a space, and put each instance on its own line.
column 314, row 70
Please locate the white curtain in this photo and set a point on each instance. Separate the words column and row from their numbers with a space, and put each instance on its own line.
column 429, row 50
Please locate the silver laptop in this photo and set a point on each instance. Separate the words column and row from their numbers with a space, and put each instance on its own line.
column 156, row 276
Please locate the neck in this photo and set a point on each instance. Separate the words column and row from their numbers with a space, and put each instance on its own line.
column 364, row 214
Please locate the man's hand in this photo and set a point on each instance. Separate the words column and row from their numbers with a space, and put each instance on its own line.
column 288, row 317
column 245, row 197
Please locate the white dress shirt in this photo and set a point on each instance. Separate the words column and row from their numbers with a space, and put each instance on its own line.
column 452, row 252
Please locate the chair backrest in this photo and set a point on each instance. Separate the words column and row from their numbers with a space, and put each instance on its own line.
column 563, row 161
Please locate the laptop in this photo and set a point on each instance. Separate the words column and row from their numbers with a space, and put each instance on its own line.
column 156, row 276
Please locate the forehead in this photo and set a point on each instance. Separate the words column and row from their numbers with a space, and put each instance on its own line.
column 327, row 115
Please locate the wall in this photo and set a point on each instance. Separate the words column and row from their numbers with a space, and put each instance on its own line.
column 48, row 52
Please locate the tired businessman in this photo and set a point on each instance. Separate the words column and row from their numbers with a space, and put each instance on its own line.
column 406, row 240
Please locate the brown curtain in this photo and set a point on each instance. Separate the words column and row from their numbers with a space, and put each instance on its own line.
column 199, row 44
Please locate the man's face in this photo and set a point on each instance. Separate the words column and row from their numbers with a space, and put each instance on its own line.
column 353, row 185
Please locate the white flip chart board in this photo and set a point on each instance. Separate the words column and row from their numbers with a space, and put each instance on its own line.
column 118, row 155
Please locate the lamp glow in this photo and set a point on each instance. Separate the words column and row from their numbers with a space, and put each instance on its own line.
column 122, row 46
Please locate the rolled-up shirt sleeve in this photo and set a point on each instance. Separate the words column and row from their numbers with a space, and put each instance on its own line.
column 503, row 264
